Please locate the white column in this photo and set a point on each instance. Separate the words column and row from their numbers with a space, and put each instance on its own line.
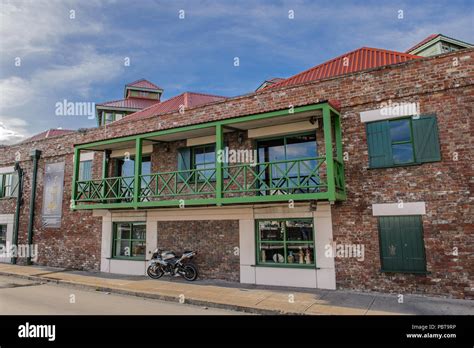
column 151, row 236
column 326, row 273
column 247, row 251
column 106, row 245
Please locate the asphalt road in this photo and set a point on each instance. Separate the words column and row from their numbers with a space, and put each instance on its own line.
column 25, row 297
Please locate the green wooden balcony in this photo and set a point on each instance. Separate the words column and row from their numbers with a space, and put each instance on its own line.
column 310, row 178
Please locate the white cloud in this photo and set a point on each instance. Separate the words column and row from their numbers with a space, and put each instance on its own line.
column 12, row 130
column 15, row 91
column 39, row 26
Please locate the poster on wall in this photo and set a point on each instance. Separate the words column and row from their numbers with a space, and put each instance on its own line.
column 53, row 195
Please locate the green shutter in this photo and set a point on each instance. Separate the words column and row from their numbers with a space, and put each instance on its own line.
column 401, row 244
column 184, row 163
column 413, row 245
column 426, row 140
column 379, row 144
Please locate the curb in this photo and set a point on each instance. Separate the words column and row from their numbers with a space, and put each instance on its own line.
column 194, row 302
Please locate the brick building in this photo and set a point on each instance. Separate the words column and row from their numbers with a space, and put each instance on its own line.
column 361, row 179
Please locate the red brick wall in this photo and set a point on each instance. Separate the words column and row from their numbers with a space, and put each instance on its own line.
column 445, row 186
column 440, row 86
column 213, row 240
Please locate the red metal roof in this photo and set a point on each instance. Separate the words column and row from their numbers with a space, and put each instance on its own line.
column 130, row 103
column 360, row 59
column 50, row 133
column 142, row 83
column 421, row 43
column 188, row 99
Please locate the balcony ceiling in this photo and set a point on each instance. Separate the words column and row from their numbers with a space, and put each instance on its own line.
column 202, row 132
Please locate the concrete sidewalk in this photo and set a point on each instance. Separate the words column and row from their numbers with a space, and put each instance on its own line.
column 252, row 299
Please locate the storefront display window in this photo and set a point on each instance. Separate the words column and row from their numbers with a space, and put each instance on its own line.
column 285, row 242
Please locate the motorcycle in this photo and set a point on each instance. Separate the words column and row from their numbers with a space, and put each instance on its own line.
column 167, row 262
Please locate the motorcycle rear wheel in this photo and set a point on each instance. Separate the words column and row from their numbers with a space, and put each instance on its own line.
column 154, row 272
column 190, row 272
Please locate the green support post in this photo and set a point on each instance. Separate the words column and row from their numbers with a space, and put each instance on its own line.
column 329, row 154
column 75, row 175
column 340, row 156
column 35, row 155
column 138, row 172
column 105, row 170
column 338, row 135
column 219, row 164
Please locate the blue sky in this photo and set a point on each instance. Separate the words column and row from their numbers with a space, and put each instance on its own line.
column 82, row 59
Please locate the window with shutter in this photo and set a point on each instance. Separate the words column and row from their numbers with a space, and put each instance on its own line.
column 378, row 141
column 426, row 139
column 401, row 244
column 403, row 141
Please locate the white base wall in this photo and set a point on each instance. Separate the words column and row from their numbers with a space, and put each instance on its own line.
column 127, row 267
column 323, row 276
column 7, row 219
column 297, row 277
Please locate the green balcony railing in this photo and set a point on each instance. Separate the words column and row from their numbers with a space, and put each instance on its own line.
column 105, row 190
column 278, row 177
column 288, row 177
column 179, row 183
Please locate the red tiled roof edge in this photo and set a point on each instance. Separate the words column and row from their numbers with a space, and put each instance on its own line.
column 180, row 98
column 49, row 133
column 329, row 69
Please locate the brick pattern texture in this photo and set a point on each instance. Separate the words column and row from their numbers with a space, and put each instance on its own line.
column 214, row 241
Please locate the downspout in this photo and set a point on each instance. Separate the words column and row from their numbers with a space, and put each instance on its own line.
column 35, row 155
column 19, row 194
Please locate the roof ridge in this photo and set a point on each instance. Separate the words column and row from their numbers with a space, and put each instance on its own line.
column 133, row 82
column 315, row 67
column 341, row 56
column 391, row 51
column 140, row 80
column 206, row 94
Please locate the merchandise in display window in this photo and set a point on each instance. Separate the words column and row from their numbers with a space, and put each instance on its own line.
column 287, row 242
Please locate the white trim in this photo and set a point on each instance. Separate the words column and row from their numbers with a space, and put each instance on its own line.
column 402, row 208
column 282, row 129
column 7, row 219
column 121, row 153
column 210, row 139
column 87, row 156
column 7, row 170
column 389, row 112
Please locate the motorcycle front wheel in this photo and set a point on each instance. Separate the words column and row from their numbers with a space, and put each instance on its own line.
column 154, row 272
column 190, row 272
